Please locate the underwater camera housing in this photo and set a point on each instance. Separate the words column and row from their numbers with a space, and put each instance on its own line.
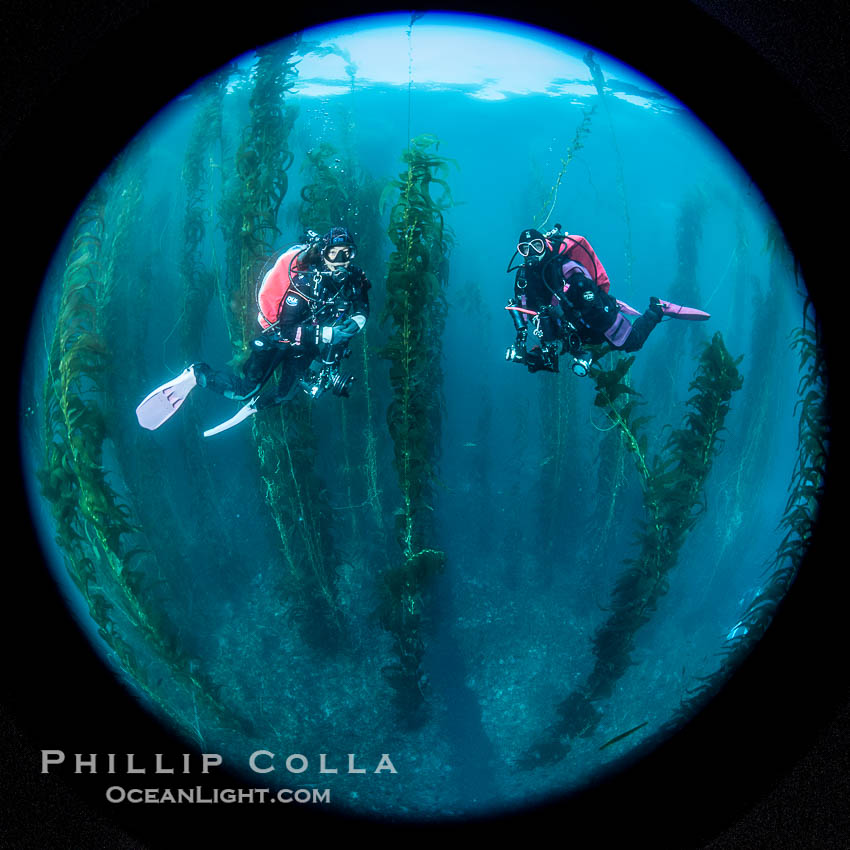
column 328, row 378
column 540, row 357
column 324, row 375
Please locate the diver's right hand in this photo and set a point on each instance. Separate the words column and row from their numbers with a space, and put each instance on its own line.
column 340, row 333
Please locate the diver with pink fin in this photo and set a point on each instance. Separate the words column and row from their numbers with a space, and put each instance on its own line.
column 311, row 303
column 562, row 289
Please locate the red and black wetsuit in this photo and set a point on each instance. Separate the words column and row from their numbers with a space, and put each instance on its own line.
column 296, row 300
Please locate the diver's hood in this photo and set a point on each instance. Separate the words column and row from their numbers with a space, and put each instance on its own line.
column 530, row 235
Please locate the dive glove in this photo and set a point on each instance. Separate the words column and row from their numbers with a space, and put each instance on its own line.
column 344, row 331
column 655, row 309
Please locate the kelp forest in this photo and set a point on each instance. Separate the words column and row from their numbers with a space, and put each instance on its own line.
column 478, row 569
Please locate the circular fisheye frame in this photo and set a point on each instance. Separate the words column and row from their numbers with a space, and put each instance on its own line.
column 307, row 511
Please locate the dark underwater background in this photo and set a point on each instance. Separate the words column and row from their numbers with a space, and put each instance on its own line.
column 257, row 589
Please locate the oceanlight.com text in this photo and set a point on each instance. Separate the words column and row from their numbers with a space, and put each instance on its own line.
column 198, row 795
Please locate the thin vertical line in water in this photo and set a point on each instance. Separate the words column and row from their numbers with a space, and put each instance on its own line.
column 598, row 79
column 413, row 17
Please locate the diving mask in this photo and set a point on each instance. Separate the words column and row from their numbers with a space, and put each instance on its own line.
column 338, row 255
column 535, row 247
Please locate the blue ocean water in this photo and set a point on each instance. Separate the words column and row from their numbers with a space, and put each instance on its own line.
column 537, row 515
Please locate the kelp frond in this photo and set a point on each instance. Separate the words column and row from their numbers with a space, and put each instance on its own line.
column 673, row 500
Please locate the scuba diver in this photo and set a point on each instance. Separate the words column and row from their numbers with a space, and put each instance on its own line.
column 311, row 302
column 562, row 288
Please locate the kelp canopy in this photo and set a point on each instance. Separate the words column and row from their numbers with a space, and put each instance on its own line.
column 473, row 567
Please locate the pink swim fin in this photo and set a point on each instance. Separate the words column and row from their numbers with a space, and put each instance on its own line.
column 163, row 402
column 675, row 311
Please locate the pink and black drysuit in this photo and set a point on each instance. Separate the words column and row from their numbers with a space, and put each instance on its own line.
column 570, row 284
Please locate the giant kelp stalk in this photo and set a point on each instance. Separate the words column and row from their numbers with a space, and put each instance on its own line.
column 287, row 443
column 611, row 475
column 254, row 188
column 255, row 191
column 197, row 278
column 262, row 161
column 798, row 520
column 346, row 190
column 368, row 230
column 673, row 500
column 106, row 554
column 285, row 439
column 370, row 438
column 415, row 304
column 125, row 290
column 575, row 146
column 338, row 192
column 327, row 197
column 229, row 222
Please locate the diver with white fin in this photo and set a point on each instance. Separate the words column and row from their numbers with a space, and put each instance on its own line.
column 312, row 302
column 561, row 288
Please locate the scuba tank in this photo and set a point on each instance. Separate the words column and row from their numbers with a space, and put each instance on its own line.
column 308, row 240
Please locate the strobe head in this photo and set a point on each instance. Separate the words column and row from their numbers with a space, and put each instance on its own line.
column 515, row 354
column 582, row 361
column 340, row 384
